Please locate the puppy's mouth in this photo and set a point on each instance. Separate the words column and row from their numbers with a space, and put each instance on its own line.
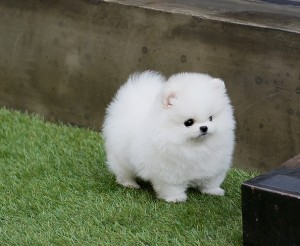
column 201, row 135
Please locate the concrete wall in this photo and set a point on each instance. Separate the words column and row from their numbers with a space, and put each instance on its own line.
column 65, row 59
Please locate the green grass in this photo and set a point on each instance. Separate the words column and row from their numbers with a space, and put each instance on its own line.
column 56, row 190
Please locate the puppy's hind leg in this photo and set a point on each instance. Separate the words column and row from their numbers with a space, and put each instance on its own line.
column 124, row 175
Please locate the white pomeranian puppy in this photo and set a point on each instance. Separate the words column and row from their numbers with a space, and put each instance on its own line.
column 176, row 133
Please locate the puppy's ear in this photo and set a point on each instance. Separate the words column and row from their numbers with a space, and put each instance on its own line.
column 218, row 83
column 168, row 99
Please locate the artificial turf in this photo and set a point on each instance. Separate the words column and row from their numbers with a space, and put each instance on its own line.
column 56, row 190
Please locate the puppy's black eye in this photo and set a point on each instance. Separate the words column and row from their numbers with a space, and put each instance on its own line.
column 189, row 122
column 210, row 118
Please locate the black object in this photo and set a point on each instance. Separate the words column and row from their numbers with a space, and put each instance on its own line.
column 271, row 207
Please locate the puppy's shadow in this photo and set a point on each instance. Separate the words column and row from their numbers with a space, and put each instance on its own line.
column 145, row 186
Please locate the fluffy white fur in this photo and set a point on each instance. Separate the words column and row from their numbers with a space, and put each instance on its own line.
column 146, row 136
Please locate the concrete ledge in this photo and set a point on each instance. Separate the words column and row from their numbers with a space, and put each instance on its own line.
column 65, row 59
column 275, row 14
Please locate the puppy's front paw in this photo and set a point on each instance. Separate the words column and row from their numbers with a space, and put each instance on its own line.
column 176, row 198
column 214, row 191
column 128, row 183
column 170, row 192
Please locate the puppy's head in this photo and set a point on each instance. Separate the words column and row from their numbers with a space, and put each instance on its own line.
column 195, row 107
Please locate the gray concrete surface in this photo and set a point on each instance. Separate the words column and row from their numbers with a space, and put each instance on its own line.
column 65, row 59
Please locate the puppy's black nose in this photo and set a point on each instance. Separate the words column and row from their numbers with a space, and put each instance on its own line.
column 203, row 129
